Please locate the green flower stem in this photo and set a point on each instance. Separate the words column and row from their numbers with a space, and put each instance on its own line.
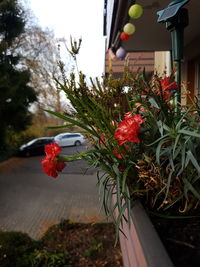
column 67, row 158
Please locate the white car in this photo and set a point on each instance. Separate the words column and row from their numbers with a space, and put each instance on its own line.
column 69, row 139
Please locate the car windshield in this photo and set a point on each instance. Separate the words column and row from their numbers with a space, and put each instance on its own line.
column 40, row 141
column 32, row 142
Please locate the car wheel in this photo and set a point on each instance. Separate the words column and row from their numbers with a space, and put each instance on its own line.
column 27, row 154
column 77, row 143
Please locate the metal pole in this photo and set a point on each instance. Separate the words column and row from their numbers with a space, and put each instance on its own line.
column 177, row 34
column 178, row 80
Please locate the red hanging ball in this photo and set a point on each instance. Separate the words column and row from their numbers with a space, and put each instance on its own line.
column 124, row 36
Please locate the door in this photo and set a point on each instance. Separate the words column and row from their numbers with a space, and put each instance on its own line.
column 65, row 140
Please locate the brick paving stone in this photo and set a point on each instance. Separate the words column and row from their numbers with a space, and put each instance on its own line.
column 30, row 201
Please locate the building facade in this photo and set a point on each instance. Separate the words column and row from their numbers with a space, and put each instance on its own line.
column 153, row 37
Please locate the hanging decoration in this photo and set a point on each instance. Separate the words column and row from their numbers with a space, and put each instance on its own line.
column 124, row 36
column 129, row 28
column 121, row 53
column 135, row 11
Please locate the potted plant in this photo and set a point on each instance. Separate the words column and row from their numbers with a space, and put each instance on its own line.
column 144, row 142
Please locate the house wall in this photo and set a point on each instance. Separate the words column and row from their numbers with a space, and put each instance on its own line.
column 191, row 70
column 162, row 62
column 135, row 61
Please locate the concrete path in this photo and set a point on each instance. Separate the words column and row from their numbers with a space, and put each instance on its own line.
column 30, row 201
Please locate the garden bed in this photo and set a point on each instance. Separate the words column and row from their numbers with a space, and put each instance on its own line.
column 66, row 244
column 90, row 244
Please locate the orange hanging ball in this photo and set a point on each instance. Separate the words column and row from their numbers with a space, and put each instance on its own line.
column 124, row 36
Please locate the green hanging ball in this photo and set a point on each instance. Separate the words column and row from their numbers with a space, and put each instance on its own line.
column 129, row 28
column 135, row 11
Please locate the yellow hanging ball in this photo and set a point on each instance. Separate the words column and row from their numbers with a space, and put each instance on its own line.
column 135, row 11
column 129, row 28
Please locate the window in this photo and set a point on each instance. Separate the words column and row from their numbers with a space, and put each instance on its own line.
column 65, row 136
column 75, row 135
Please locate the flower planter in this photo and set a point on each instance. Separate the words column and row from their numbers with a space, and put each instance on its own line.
column 141, row 246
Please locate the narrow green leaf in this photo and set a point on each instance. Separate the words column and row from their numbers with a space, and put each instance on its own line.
column 156, row 141
column 173, row 202
column 119, row 219
column 118, row 190
column 60, row 127
column 191, row 188
column 187, row 160
column 106, row 196
column 193, row 160
column 124, row 178
column 189, row 133
column 128, row 200
column 153, row 103
column 183, row 154
column 74, row 122
column 168, row 183
column 177, row 152
column 158, row 151
column 80, row 155
column 166, row 127
column 175, row 143
column 178, row 125
column 160, row 127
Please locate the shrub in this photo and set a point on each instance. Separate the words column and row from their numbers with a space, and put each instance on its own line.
column 44, row 258
column 15, row 248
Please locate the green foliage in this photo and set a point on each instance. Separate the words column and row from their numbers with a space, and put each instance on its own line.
column 161, row 166
column 97, row 109
column 164, row 167
column 169, row 166
column 15, row 93
column 15, row 248
column 11, row 22
column 19, row 250
column 94, row 249
column 44, row 258
column 176, row 151
column 74, row 47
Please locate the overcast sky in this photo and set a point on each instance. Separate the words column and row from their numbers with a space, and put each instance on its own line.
column 78, row 18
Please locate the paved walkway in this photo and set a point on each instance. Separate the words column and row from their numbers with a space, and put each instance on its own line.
column 30, row 201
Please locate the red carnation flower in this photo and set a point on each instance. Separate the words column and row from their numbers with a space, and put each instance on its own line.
column 52, row 149
column 128, row 130
column 128, row 115
column 168, row 87
column 138, row 118
column 51, row 165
